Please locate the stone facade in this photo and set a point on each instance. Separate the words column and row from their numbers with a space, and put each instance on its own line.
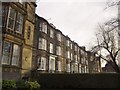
column 28, row 39
column 16, row 47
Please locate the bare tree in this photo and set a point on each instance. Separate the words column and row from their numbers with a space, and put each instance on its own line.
column 107, row 44
column 112, row 3
column 107, row 41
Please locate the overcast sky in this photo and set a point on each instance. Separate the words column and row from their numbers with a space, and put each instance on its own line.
column 76, row 18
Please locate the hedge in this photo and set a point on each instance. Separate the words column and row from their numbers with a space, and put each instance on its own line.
column 19, row 85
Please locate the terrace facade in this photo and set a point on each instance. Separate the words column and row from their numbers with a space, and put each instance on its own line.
column 56, row 53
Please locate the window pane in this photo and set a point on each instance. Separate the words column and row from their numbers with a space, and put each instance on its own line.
column 6, row 53
column 68, row 43
column 12, row 13
column 42, row 44
column 68, row 67
column 11, row 24
column 42, row 63
column 59, row 37
column 71, row 56
column 58, row 52
column 19, row 23
column 51, row 48
column 51, row 34
column 52, row 63
column 59, row 66
column 68, row 54
column 11, row 18
column 43, row 27
column 40, row 27
column 71, row 45
column 16, row 55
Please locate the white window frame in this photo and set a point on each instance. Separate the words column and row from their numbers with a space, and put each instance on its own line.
column 59, row 66
column 43, row 27
column 42, row 63
column 68, row 67
column 51, row 33
column 68, row 43
column 75, row 56
column 82, row 60
column 51, row 63
column 71, row 45
column 58, row 52
column 71, row 56
column 75, row 48
column 76, row 68
column 68, row 54
column 59, row 37
column 42, row 44
column 51, row 48
column 80, row 68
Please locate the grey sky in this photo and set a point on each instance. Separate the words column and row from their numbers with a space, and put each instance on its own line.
column 76, row 18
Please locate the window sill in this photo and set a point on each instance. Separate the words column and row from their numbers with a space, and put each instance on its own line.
column 11, row 66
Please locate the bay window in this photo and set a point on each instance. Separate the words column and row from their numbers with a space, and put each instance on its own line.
column 15, row 21
column 11, row 53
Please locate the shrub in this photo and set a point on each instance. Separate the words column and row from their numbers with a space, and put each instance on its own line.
column 21, row 85
column 32, row 85
column 8, row 85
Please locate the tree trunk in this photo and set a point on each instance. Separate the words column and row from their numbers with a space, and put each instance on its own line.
column 116, row 67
